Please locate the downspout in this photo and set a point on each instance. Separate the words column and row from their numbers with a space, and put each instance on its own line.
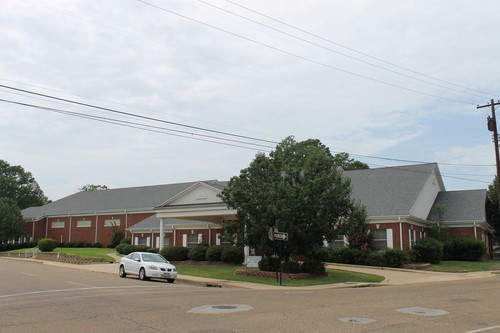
column 46, row 226
column 475, row 231
column 400, row 233
column 175, row 234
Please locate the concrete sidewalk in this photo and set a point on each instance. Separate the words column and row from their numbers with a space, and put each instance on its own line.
column 393, row 276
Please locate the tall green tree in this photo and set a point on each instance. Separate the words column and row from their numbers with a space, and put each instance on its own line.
column 11, row 221
column 20, row 186
column 493, row 208
column 347, row 163
column 297, row 188
column 93, row 187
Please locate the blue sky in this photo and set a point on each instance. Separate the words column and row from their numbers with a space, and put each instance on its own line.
column 386, row 79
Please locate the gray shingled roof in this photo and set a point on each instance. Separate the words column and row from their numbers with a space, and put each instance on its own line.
column 153, row 223
column 121, row 199
column 460, row 206
column 384, row 192
column 392, row 190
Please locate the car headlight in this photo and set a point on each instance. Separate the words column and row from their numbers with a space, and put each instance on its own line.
column 152, row 267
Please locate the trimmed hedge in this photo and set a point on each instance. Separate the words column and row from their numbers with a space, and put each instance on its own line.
column 313, row 266
column 198, row 253
column 12, row 246
column 467, row 249
column 428, row 250
column 47, row 244
column 291, row 266
column 175, row 253
column 214, row 253
column 233, row 255
column 268, row 264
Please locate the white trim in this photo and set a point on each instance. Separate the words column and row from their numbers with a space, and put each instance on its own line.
column 390, row 242
column 185, row 240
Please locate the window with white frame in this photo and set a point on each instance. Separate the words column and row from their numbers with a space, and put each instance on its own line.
column 340, row 241
column 192, row 240
column 112, row 223
column 142, row 241
column 57, row 224
column 166, row 241
column 83, row 224
column 379, row 239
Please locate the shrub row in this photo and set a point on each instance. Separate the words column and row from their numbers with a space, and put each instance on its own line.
column 311, row 266
column 125, row 248
column 346, row 255
column 79, row 244
column 226, row 254
column 432, row 250
column 11, row 246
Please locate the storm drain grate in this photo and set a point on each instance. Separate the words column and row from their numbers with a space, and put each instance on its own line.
column 357, row 320
column 423, row 311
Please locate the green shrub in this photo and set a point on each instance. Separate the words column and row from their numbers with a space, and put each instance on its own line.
column 395, row 258
column 291, row 266
column 375, row 258
column 97, row 245
column 321, row 253
column 346, row 255
column 126, row 240
column 119, row 248
column 175, row 253
column 80, row 244
column 233, row 255
column 214, row 253
column 127, row 249
column 47, row 245
column 468, row 249
column 268, row 264
column 116, row 238
column 198, row 253
column 428, row 250
column 313, row 266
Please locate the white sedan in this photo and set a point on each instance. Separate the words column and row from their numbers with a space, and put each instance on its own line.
column 147, row 265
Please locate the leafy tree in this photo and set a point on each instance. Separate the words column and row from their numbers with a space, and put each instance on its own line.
column 20, row 186
column 356, row 229
column 493, row 207
column 343, row 160
column 297, row 188
column 11, row 221
column 93, row 187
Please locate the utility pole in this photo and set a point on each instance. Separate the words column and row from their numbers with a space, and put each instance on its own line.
column 492, row 127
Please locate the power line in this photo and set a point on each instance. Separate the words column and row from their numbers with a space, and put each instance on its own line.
column 340, row 53
column 146, row 127
column 354, row 50
column 302, row 57
column 136, row 115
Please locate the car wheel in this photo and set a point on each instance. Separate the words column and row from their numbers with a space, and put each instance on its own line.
column 121, row 272
column 170, row 280
column 142, row 274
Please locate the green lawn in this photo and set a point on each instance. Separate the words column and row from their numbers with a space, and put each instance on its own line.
column 227, row 273
column 465, row 266
column 84, row 252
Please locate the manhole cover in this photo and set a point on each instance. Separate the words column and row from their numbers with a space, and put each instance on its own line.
column 220, row 308
column 357, row 320
column 423, row 311
column 224, row 307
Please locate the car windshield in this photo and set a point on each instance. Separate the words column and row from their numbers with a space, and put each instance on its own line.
column 153, row 258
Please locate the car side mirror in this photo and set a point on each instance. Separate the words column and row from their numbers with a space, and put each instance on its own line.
column 138, row 259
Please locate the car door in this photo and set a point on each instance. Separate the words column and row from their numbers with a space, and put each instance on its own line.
column 135, row 263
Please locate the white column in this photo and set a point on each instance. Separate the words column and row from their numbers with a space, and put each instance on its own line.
column 162, row 234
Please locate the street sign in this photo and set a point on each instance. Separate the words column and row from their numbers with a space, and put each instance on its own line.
column 271, row 231
column 281, row 236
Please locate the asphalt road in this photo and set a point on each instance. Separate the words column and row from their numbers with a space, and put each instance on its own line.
column 42, row 298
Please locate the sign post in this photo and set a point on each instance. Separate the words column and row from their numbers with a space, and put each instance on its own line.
column 275, row 235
